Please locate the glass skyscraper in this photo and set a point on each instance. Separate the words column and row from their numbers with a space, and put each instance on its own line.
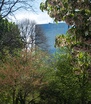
column 50, row 31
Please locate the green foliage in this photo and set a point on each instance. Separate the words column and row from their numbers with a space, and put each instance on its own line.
column 10, row 39
column 21, row 77
column 72, row 83
column 76, row 13
column 73, row 67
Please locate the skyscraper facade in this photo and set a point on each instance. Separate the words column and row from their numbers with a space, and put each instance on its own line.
column 50, row 31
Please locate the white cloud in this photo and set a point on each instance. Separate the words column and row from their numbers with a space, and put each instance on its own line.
column 40, row 18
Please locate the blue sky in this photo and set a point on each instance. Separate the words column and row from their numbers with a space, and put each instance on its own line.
column 39, row 16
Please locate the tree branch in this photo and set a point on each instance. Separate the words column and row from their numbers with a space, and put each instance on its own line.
column 10, row 6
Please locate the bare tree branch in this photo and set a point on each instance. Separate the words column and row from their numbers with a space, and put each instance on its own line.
column 10, row 6
column 33, row 36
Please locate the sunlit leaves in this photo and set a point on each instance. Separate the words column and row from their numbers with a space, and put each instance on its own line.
column 76, row 13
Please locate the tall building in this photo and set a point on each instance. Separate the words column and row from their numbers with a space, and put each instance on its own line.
column 50, row 31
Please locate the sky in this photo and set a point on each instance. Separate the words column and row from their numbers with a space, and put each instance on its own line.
column 39, row 16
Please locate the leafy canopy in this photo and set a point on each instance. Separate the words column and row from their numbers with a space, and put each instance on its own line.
column 76, row 13
column 10, row 38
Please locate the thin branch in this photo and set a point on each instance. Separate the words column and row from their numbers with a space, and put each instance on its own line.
column 2, row 3
column 10, row 6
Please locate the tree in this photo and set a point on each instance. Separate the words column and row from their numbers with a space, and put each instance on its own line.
column 71, row 80
column 33, row 35
column 8, row 7
column 75, row 13
column 10, row 39
column 40, row 39
column 21, row 79
column 27, row 31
